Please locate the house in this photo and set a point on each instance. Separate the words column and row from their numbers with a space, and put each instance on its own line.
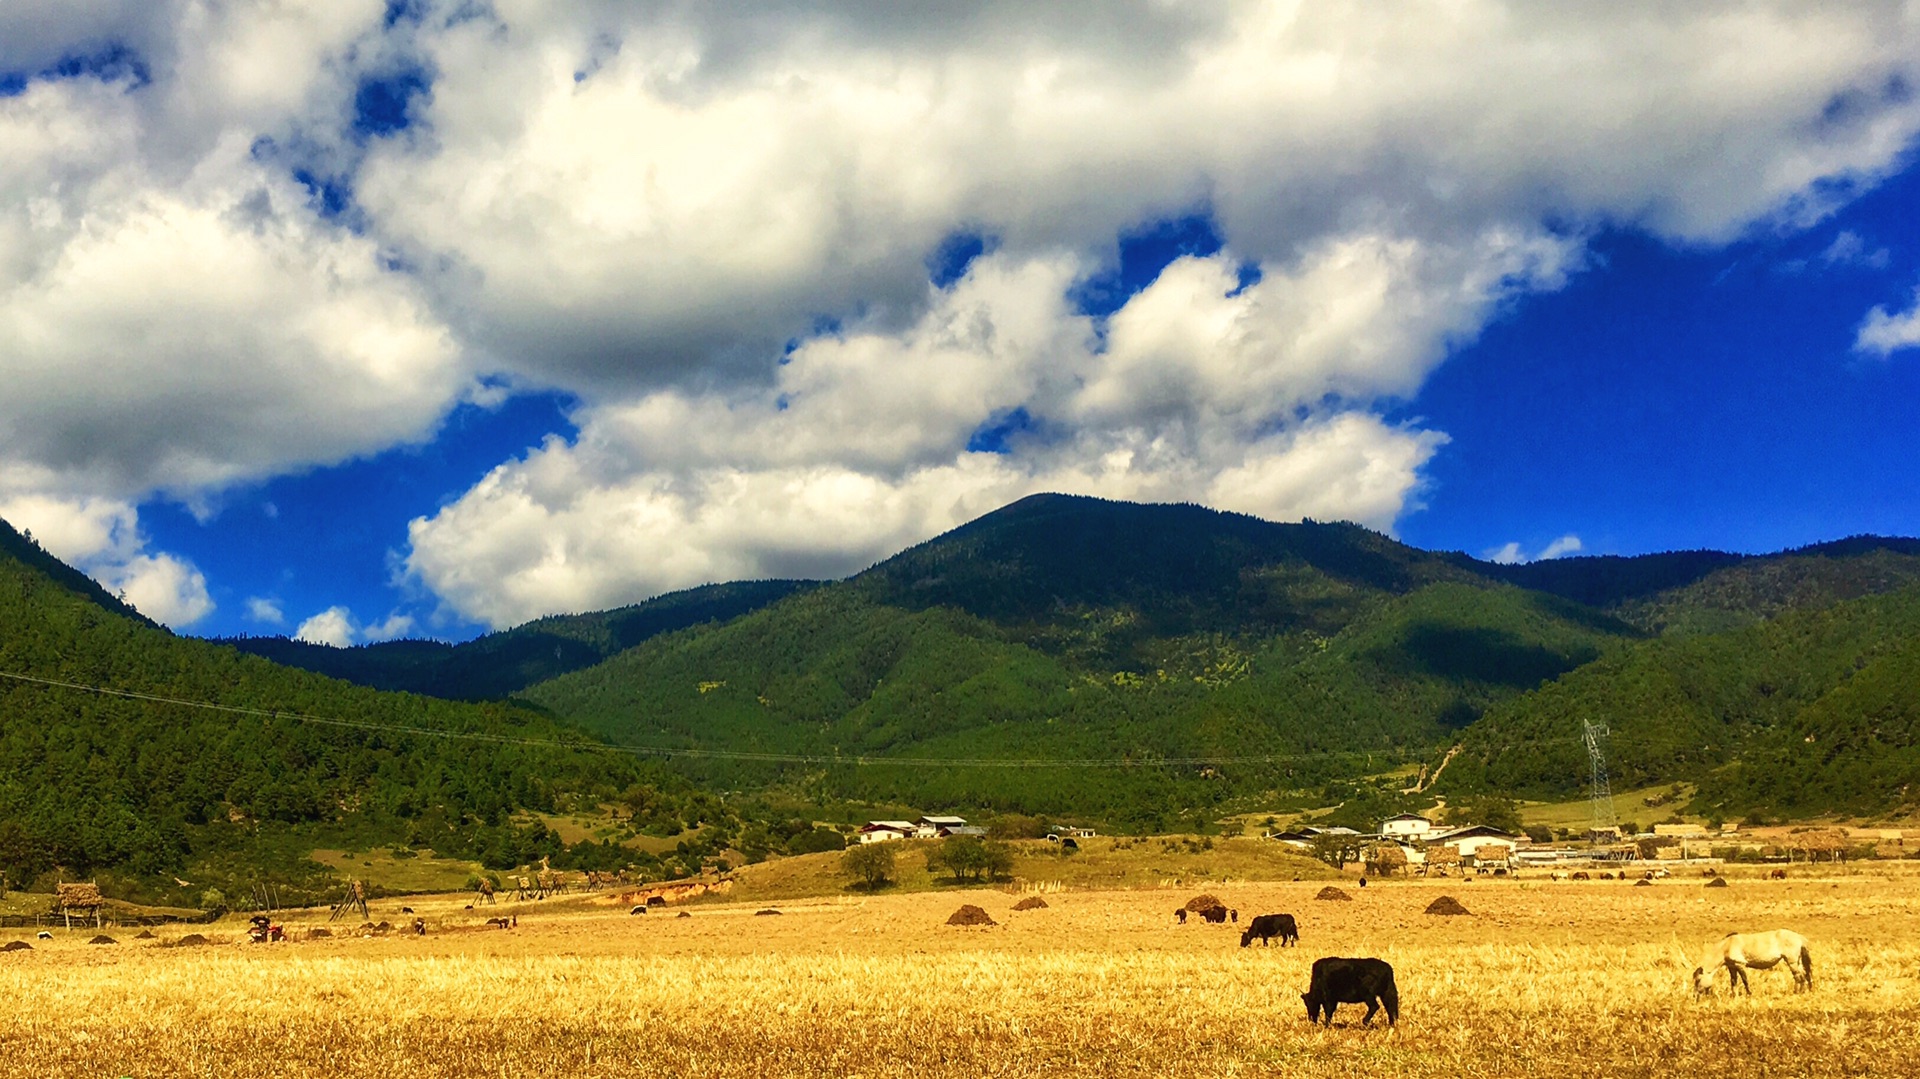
column 932, row 827
column 885, row 831
column 1472, row 838
column 965, row 829
column 1406, row 826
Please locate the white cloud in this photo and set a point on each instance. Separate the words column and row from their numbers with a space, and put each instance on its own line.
column 266, row 611
column 332, row 627
column 101, row 537
column 1511, row 554
column 337, row 627
column 643, row 204
column 1848, row 249
column 1883, row 334
column 1562, row 547
column 162, row 587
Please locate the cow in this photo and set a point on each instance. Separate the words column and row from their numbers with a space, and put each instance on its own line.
column 1267, row 926
column 1351, row 981
column 1777, row 874
column 1234, row 916
column 1581, row 874
column 1181, row 914
column 1214, row 915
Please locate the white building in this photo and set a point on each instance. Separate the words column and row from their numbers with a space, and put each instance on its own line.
column 886, row 831
column 1406, row 826
column 933, row 827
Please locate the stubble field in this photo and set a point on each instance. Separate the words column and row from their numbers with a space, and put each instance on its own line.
column 1543, row 978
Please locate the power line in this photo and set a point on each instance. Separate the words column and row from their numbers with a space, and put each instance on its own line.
column 858, row 760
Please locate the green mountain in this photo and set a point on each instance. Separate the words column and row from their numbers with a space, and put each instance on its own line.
column 1811, row 712
column 266, row 763
column 1072, row 629
column 498, row 664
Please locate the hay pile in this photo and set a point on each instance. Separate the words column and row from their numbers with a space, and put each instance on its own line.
column 769, row 910
column 189, row 941
column 1446, row 904
column 1717, row 882
column 318, row 933
column 1334, row 894
column 684, row 914
column 1643, row 883
column 971, row 915
column 1205, row 902
column 16, row 946
column 102, row 938
column 1032, row 902
column 144, row 934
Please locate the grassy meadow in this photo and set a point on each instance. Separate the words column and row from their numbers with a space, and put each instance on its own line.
column 1544, row 978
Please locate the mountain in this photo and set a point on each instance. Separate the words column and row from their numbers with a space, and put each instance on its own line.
column 1067, row 629
column 262, row 763
column 498, row 664
column 1808, row 713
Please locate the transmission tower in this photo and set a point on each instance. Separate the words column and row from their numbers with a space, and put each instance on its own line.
column 1605, row 823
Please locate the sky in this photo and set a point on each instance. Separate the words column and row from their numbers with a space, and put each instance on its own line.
column 364, row 319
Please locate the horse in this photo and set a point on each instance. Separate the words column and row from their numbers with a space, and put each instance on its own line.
column 1741, row 952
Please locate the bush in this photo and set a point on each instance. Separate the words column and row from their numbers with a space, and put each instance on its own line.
column 870, row 864
column 817, row 840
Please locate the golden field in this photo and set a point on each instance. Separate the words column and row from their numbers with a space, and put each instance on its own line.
column 1545, row 978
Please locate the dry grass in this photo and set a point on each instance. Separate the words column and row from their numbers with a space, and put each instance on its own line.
column 1544, row 979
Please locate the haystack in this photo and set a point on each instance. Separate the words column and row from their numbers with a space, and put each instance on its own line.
column 1205, row 902
column 1717, row 882
column 769, row 910
column 1334, row 894
column 1643, row 884
column 971, row 915
column 684, row 914
column 102, row 938
column 16, row 946
column 190, row 940
column 1032, row 902
column 1446, row 904
column 144, row 934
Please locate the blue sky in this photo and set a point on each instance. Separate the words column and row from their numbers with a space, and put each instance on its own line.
column 361, row 320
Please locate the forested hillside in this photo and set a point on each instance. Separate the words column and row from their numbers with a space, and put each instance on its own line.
column 497, row 664
column 1812, row 712
column 139, row 792
column 1070, row 629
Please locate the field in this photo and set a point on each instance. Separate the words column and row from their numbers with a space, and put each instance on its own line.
column 1544, row 978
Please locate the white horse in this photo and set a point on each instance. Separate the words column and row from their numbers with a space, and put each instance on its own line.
column 1741, row 952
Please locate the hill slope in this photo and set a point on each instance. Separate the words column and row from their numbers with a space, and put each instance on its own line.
column 139, row 791
column 1811, row 712
column 1070, row 629
column 498, row 664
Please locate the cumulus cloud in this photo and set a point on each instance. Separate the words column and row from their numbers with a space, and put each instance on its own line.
column 102, row 538
column 1247, row 398
column 336, row 627
column 1883, row 334
column 332, row 627
column 1511, row 553
column 210, row 274
column 265, row 611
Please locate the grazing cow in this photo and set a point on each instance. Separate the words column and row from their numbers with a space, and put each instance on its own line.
column 1581, row 874
column 1777, row 874
column 1214, row 915
column 1709, row 872
column 1352, row 981
column 639, row 909
column 1267, row 926
column 1181, row 914
column 1234, row 916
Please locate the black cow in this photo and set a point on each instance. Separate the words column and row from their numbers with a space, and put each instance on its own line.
column 1352, row 981
column 1265, row 927
column 1214, row 915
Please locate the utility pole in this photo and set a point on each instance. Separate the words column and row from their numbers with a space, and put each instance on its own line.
column 1605, row 824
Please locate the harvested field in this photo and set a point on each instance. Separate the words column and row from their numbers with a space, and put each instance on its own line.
column 1104, row 985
